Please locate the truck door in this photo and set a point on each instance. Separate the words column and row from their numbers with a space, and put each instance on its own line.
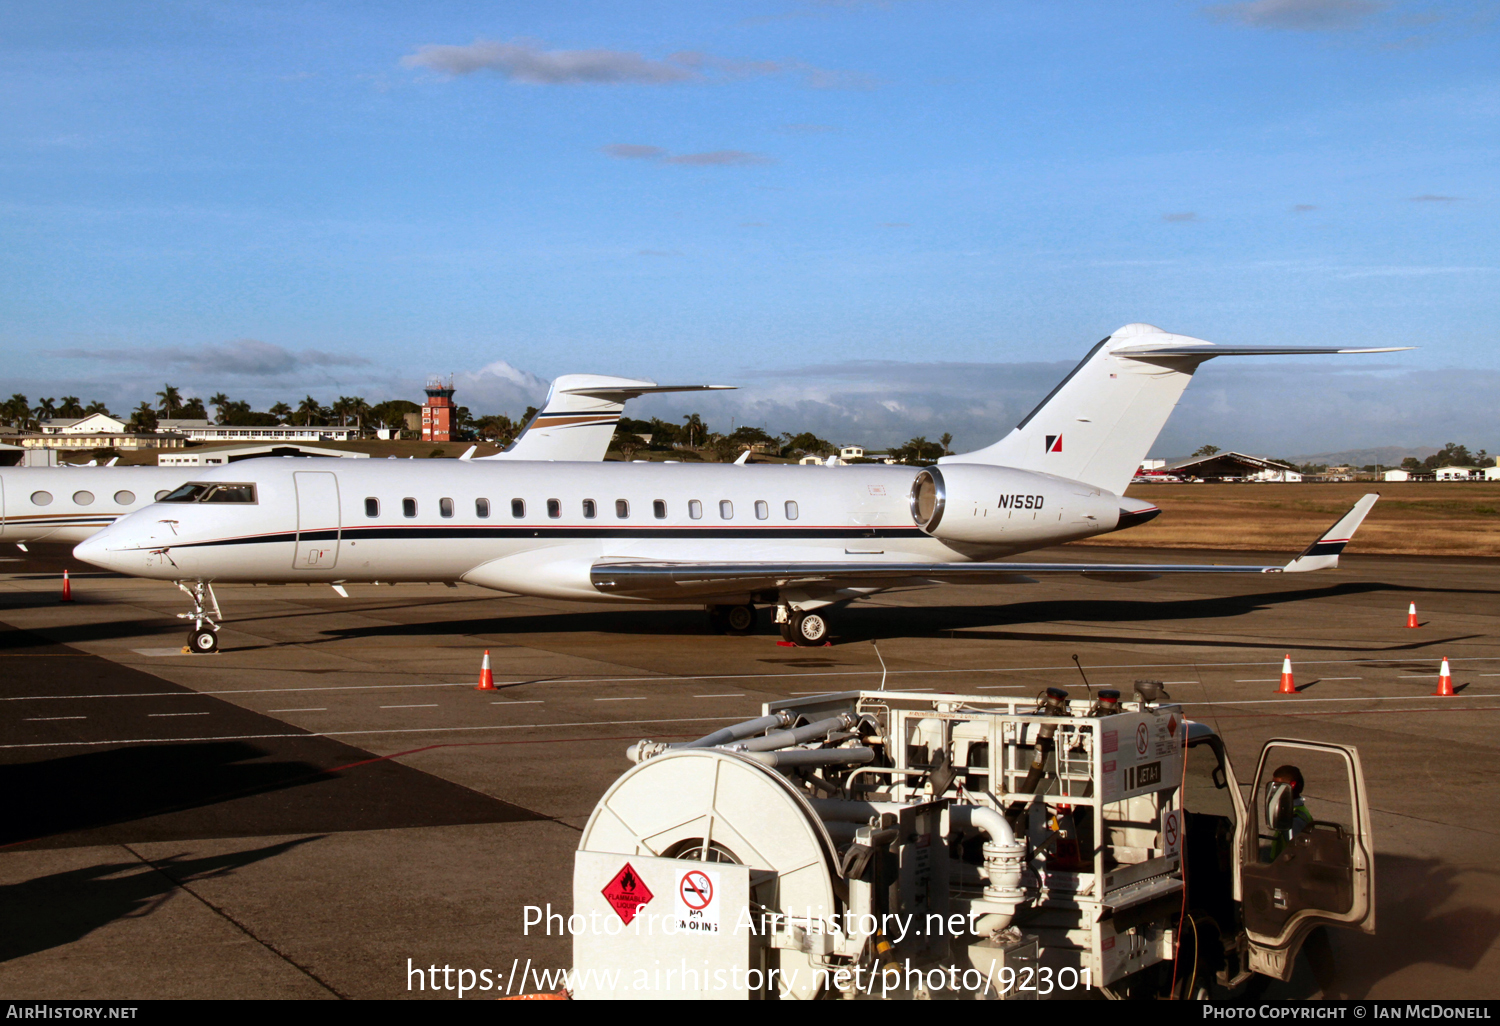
column 1301, row 868
column 317, row 520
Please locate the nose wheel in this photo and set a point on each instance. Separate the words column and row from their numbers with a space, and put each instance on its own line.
column 204, row 637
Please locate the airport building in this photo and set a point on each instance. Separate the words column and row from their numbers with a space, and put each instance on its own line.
column 1229, row 466
column 208, row 431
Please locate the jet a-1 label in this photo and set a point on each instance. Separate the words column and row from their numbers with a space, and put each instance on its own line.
column 1021, row 502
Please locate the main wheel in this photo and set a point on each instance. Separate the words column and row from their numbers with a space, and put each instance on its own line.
column 203, row 641
column 739, row 619
column 809, row 630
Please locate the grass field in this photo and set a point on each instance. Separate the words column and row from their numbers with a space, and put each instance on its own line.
column 1440, row 519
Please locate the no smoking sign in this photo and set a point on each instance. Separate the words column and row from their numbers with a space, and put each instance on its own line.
column 697, row 901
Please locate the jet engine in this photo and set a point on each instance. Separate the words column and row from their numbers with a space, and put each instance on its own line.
column 975, row 504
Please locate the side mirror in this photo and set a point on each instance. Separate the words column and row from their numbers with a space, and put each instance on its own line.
column 1278, row 806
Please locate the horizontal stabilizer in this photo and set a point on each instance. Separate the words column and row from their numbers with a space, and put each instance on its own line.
column 1210, row 351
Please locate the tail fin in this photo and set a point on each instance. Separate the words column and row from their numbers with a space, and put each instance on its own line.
column 578, row 419
column 1100, row 422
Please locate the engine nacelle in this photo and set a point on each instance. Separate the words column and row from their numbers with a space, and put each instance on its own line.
column 977, row 504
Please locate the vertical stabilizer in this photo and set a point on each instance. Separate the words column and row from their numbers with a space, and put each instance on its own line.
column 1101, row 421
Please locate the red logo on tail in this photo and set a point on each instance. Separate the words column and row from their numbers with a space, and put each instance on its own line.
column 1054, row 443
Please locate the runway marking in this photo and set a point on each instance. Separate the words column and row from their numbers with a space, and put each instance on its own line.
column 1196, row 682
column 428, row 705
column 49, row 719
column 159, row 652
column 1416, row 676
column 633, row 699
column 732, row 694
column 1342, row 678
column 348, row 733
column 155, row 715
column 1300, row 701
column 1259, row 680
column 814, row 692
column 732, row 676
column 317, row 709
column 997, row 687
column 512, row 701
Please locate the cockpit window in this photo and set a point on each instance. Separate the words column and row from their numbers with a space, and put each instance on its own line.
column 211, row 492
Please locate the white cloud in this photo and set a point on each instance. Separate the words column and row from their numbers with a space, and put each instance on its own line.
column 245, row 357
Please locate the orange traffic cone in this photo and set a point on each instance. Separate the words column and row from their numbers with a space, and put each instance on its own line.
column 1445, row 682
column 67, row 588
column 1411, row 616
column 486, row 678
column 1288, row 686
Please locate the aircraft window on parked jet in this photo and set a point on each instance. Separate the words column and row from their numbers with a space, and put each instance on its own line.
column 445, row 507
column 726, row 509
column 184, row 493
column 791, row 509
column 589, row 509
column 518, row 508
column 159, row 495
column 408, row 507
column 41, row 498
column 372, row 507
column 622, row 508
column 695, row 509
column 482, row 508
column 762, row 511
column 83, row 498
column 659, row 509
column 124, row 497
column 554, row 508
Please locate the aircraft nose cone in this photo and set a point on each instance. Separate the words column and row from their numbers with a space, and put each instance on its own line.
column 94, row 550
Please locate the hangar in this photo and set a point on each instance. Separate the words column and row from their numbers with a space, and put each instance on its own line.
column 1232, row 466
column 235, row 453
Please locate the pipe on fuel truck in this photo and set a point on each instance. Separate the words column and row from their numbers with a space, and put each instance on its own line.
column 799, row 735
column 642, row 750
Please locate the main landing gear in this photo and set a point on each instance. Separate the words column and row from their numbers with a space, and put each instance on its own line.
column 805, row 628
column 204, row 636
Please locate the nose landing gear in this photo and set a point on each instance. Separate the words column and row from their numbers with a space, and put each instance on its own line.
column 204, row 636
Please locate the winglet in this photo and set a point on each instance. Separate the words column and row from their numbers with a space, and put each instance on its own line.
column 1324, row 553
column 469, row 452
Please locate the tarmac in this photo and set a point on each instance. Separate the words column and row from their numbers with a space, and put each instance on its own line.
column 328, row 801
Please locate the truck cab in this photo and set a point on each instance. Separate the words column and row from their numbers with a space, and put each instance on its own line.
column 1257, row 885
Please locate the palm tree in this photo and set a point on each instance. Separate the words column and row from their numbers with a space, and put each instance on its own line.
column 281, row 411
column 309, row 409
column 219, row 401
column 97, row 407
column 70, row 407
column 358, row 409
column 947, row 440
column 143, row 419
column 17, row 410
column 170, row 399
column 45, row 409
column 695, row 427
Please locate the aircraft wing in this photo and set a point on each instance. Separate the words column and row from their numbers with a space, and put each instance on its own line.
column 1208, row 351
column 689, row 580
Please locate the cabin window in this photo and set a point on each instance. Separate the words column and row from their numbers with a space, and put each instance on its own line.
column 589, row 508
column 125, row 498
column 372, row 507
column 762, row 511
column 622, row 508
column 791, row 509
column 659, row 509
column 695, row 509
column 518, row 508
column 554, row 508
column 41, row 498
column 726, row 509
column 159, row 495
column 408, row 507
column 482, row 508
column 445, row 507
column 83, row 498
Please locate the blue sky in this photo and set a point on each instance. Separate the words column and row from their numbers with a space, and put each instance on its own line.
column 816, row 201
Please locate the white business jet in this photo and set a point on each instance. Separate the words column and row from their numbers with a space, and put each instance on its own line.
column 68, row 504
column 803, row 539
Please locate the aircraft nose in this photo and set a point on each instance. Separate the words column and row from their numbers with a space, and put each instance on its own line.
column 95, row 549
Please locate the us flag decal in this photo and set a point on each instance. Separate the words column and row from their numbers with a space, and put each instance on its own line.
column 1054, row 443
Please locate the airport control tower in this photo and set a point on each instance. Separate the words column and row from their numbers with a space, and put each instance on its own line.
column 437, row 411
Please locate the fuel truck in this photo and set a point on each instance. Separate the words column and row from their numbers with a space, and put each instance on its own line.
column 887, row 844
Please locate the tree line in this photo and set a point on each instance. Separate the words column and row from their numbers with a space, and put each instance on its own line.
column 631, row 436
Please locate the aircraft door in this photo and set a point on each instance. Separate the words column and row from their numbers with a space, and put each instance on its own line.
column 1305, row 859
column 317, row 520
